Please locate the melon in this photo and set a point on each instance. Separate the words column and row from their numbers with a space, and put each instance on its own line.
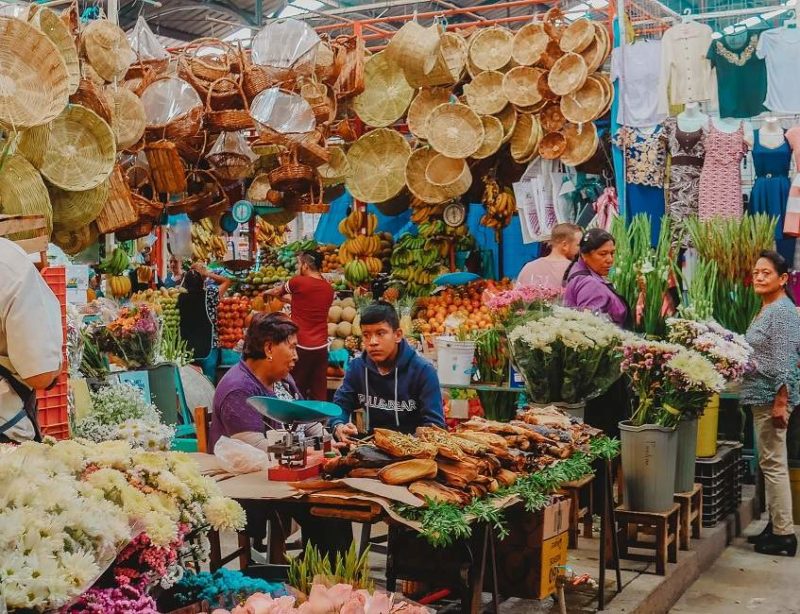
column 348, row 302
column 331, row 329
column 335, row 314
column 336, row 344
column 343, row 329
column 349, row 314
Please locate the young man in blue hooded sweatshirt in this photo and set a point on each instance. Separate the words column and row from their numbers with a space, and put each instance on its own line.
column 397, row 388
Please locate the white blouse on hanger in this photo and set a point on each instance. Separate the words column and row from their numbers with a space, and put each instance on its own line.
column 686, row 74
column 780, row 49
column 636, row 68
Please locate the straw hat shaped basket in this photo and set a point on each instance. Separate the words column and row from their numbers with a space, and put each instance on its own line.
column 377, row 165
column 577, row 36
column 414, row 47
column 119, row 209
column 23, row 192
column 34, row 82
column 56, row 30
column 490, row 48
column 33, row 143
column 452, row 175
column 81, row 152
column 420, row 109
column 128, row 120
column 567, row 75
column 93, row 97
column 416, row 179
column 485, row 95
column 73, row 242
column 529, row 44
column 493, row 135
column 71, row 210
column 386, row 94
column 520, row 85
column 455, row 130
column 228, row 120
column 107, row 49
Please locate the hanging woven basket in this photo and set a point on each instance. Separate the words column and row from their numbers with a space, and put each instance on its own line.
column 490, row 48
column 581, row 143
column 219, row 60
column 203, row 191
column 73, row 210
column 228, row 120
column 492, row 137
column 93, row 97
column 336, row 170
column 577, row 36
column 128, row 120
column 377, row 164
column 73, row 242
column 421, row 107
column 81, row 152
column 416, row 179
column 529, row 44
column 22, row 192
column 455, row 130
column 291, row 175
column 508, row 117
column 451, row 175
column 485, row 94
column 107, row 49
column 184, row 126
column 33, row 144
column 166, row 167
column 119, row 209
column 567, row 75
column 47, row 22
column 386, row 94
column 414, row 48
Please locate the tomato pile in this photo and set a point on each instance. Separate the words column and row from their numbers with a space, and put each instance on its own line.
column 232, row 316
column 464, row 301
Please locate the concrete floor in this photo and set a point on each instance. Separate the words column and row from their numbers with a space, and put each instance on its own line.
column 744, row 581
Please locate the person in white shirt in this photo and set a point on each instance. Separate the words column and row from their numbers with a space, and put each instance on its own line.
column 31, row 339
column 549, row 271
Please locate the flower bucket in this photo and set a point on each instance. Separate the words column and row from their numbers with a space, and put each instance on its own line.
column 686, row 455
column 707, row 428
column 648, row 466
column 454, row 361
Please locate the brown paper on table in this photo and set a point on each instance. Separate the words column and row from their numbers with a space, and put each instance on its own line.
column 256, row 486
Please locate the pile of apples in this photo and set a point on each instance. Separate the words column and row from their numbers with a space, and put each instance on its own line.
column 463, row 302
column 232, row 317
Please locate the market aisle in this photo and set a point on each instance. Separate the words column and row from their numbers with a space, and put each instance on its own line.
column 743, row 581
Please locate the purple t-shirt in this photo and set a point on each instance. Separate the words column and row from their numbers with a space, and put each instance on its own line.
column 232, row 413
column 593, row 293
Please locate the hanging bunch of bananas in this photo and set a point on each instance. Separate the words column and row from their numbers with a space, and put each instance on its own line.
column 206, row 245
column 117, row 263
column 499, row 203
column 358, row 220
column 422, row 211
column 417, row 261
column 361, row 270
column 361, row 253
column 268, row 235
column 119, row 285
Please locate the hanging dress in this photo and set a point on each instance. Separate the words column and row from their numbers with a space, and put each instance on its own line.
column 645, row 164
column 791, row 225
column 771, row 188
column 687, row 151
column 721, row 177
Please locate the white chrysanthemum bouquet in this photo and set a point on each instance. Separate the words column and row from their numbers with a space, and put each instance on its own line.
column 730, row 354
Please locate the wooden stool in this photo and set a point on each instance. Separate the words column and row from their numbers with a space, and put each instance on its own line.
column 691, row 503
column 665, row 524
column 579, row 514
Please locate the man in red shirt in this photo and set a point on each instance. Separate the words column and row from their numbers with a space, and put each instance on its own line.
column 311, row 297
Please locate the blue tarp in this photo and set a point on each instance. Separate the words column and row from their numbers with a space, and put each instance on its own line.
column 327, row 229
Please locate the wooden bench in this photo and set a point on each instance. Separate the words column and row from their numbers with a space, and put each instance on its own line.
column 579, row 514
column 691, row 513
column 665, row 525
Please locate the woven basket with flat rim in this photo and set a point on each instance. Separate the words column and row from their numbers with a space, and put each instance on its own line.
column 81, row 152
column 228, row 120
column 520, row 85
column 567, row 75
column 33, row 144
column 34, row 82
column 73, row 242
column 581, row 143
column 71, row 210
column 508, row 117
column 414, row 47
column 56, row 30
column 127, row 117
column 166, row 167
column 94, row 98
column 485, row 94
column 23, row 192
column 490, row 48
column 524, row 137
column 451, row 175
column 595, row 54
column 529, row 44
column 586, row 104
column 107, row 49
column 420, row 109
column 119, row 209
column 377, row 165
column 577, row 36
column 493, row 135
column 386, row 94
column 416, row 179
column 455, row 130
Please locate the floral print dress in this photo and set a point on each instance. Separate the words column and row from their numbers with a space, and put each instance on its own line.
column 687, row 151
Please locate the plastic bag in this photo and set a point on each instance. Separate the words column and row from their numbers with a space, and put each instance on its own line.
column 180, row 235
column 233, row 143
column 168, row 99
column 144, row 43
column 286, row 44
column 284, row 112
column 238, row 457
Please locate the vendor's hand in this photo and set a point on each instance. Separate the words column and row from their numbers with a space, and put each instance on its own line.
column 343, row 433
column 780, row 416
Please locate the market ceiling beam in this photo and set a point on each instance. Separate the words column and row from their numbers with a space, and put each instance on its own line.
column 248, row 18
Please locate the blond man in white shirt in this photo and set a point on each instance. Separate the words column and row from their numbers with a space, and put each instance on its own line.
column 31, row 340
column 549, row 271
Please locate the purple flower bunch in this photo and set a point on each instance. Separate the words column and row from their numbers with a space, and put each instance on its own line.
column 124, row 599
column 645, row 364
column 510, row 305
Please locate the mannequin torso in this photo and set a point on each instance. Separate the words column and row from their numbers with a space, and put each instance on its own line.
column 771, row 134
column 692, row 119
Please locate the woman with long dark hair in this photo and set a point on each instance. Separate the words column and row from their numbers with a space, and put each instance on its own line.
column 772, row 390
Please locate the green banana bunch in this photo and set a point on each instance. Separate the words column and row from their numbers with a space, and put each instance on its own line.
column 117, row 263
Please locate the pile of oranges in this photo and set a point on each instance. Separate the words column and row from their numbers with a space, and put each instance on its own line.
column 232, row 318
column 465, row 302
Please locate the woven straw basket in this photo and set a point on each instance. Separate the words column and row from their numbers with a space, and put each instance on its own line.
column 577, row 36
column 34, row 83
column 529, row 44
column 455, row 50
column 420, row 109
column 552, row 146
column 72, row 210
column 93, row 97
column 586, row 104
column 128, row 120
column 203, row 193
column 452, row 175
column 56, row 30
column 107, row 49
column 166, row 167
column 81, row 152
column 490, row 49
column 23, row 192
column 508, row 117
column 377, row 164
column 261, row 194
column 416, row 178
column 336, row 169
column 551, row 118
column 525, row 137
column 492, row 137
column 386, row 94
column 119, row 210
column 455, row 130
column 73, row 242
column 485, row 95
column 33, row 144
column 228, row 120
column 582, row 143
column 567, row 75
column 414, row 48
column 520, row 86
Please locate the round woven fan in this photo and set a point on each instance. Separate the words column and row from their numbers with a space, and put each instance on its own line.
column 377, row 163
column 128, row 120
column 107, row 49
column 56, row 30
column 452, row 175
column 386, row 94
column 586, row 104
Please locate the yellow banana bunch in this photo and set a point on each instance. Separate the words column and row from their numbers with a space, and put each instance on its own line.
column 422, row 211
column 374, row 265
column 499, row 203
column 352, row 225
column 205, row 244
column 268, row 235
column 119, row 285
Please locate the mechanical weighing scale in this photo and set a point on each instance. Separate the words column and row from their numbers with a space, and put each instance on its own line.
column 295, row 460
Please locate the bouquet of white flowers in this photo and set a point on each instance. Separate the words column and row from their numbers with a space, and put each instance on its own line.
column 730, row 354
column 568, row 356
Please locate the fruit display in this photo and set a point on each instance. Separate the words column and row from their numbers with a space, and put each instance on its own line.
column 119, row 285
column 499, row 203
column 117, row 263
column 330, row 258
column 416, row 262
column 361, row 254
column 464, row 302
column 287, row 255
column 231, row 320
column 422, row 211
column 206, row 245
column 165, row 303
column 341, row 319
column 255, row 283
column 268, row 235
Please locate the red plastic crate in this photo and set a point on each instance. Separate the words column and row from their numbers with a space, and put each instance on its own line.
column 53, row 403
column 59, row 431
column 56, row 278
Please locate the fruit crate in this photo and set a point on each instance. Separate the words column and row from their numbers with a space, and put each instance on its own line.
column 721, row 478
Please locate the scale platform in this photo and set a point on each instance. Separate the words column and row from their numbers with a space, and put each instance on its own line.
column 299, row 458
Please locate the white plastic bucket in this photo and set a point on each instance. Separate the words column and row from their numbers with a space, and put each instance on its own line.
column 454, row 361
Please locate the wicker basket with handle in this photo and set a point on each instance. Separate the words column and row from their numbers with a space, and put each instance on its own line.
column 203, row 191
column 231, row 120
column 291, row 175
column 202, row 71
column 119, row 210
